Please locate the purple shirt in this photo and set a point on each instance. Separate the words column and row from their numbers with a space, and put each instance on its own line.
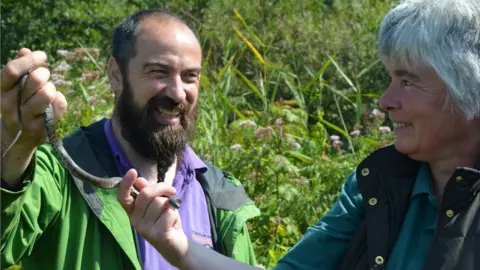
column 194, row 214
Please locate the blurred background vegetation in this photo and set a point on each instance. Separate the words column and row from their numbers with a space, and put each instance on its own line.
column 289, row 91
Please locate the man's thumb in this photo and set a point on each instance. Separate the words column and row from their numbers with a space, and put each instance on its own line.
column 124, row 189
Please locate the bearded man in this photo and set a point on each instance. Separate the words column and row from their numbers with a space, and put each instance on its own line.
column 53, row 220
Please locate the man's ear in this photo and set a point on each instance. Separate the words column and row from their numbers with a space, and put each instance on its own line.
column 115, row 76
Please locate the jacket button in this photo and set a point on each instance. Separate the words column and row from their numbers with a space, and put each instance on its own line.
column 365, row 171
column 372, row 201
column 379, row 260
column 459, row 178
column 449, row 213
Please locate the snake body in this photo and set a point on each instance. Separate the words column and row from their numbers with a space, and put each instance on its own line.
column 67, row 161
column 63, row 155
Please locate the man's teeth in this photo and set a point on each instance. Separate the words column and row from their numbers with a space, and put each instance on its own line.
column 167, row 113
column 402, row 125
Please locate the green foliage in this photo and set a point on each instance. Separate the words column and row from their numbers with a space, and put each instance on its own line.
column 279, row 79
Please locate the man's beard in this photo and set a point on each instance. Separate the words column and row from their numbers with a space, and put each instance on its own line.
column 152, row 140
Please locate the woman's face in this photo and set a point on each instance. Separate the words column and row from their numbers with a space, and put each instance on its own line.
column 425, row 127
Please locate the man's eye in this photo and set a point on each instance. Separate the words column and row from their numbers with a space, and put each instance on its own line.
column 191, row 76
column 158, row 72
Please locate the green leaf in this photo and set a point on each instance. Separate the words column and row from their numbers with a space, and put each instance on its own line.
column 252, row 86
column 343, row 74
column 300, row 156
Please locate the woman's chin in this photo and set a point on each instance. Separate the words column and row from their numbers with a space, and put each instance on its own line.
column 403, row 147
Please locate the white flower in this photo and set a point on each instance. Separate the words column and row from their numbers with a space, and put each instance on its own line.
column 62, row 52
column 295, row 145
column 247, row 123
column 62, row 67
column 334, row 138
column 377, row 114
column 264, row 133
column 384, row 129
column 66, row 54
column 235, row 147
column 62, row 83
column 337, row 144
column 355, row 133
column 55, row 77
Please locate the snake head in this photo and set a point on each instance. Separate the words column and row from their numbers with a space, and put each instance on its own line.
column 173, row 201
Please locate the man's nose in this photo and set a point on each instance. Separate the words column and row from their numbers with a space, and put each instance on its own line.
column 176, row 90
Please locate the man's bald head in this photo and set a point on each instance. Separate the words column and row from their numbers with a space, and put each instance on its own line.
column 124, row 36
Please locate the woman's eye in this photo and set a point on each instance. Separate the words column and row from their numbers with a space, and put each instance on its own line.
column 406, row 83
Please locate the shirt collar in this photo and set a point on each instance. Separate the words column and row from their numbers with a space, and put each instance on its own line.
column 423, row 183
column 123, row 164
column 190, row 158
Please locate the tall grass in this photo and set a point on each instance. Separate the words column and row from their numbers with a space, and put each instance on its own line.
column 280, row 80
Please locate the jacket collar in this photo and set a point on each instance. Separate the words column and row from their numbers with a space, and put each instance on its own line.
column 397, row 169
column 93, row 155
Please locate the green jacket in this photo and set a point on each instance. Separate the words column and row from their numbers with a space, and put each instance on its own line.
column 58, row 222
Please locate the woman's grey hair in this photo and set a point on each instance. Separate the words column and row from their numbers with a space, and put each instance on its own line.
column 442, row 34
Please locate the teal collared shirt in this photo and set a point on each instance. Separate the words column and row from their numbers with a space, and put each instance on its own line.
column 416, row 236
column 323, row 244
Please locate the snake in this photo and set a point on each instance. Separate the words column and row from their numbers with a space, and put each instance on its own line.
column 64, row 157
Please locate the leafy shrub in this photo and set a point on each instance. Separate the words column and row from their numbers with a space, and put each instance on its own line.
column 288, row 92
